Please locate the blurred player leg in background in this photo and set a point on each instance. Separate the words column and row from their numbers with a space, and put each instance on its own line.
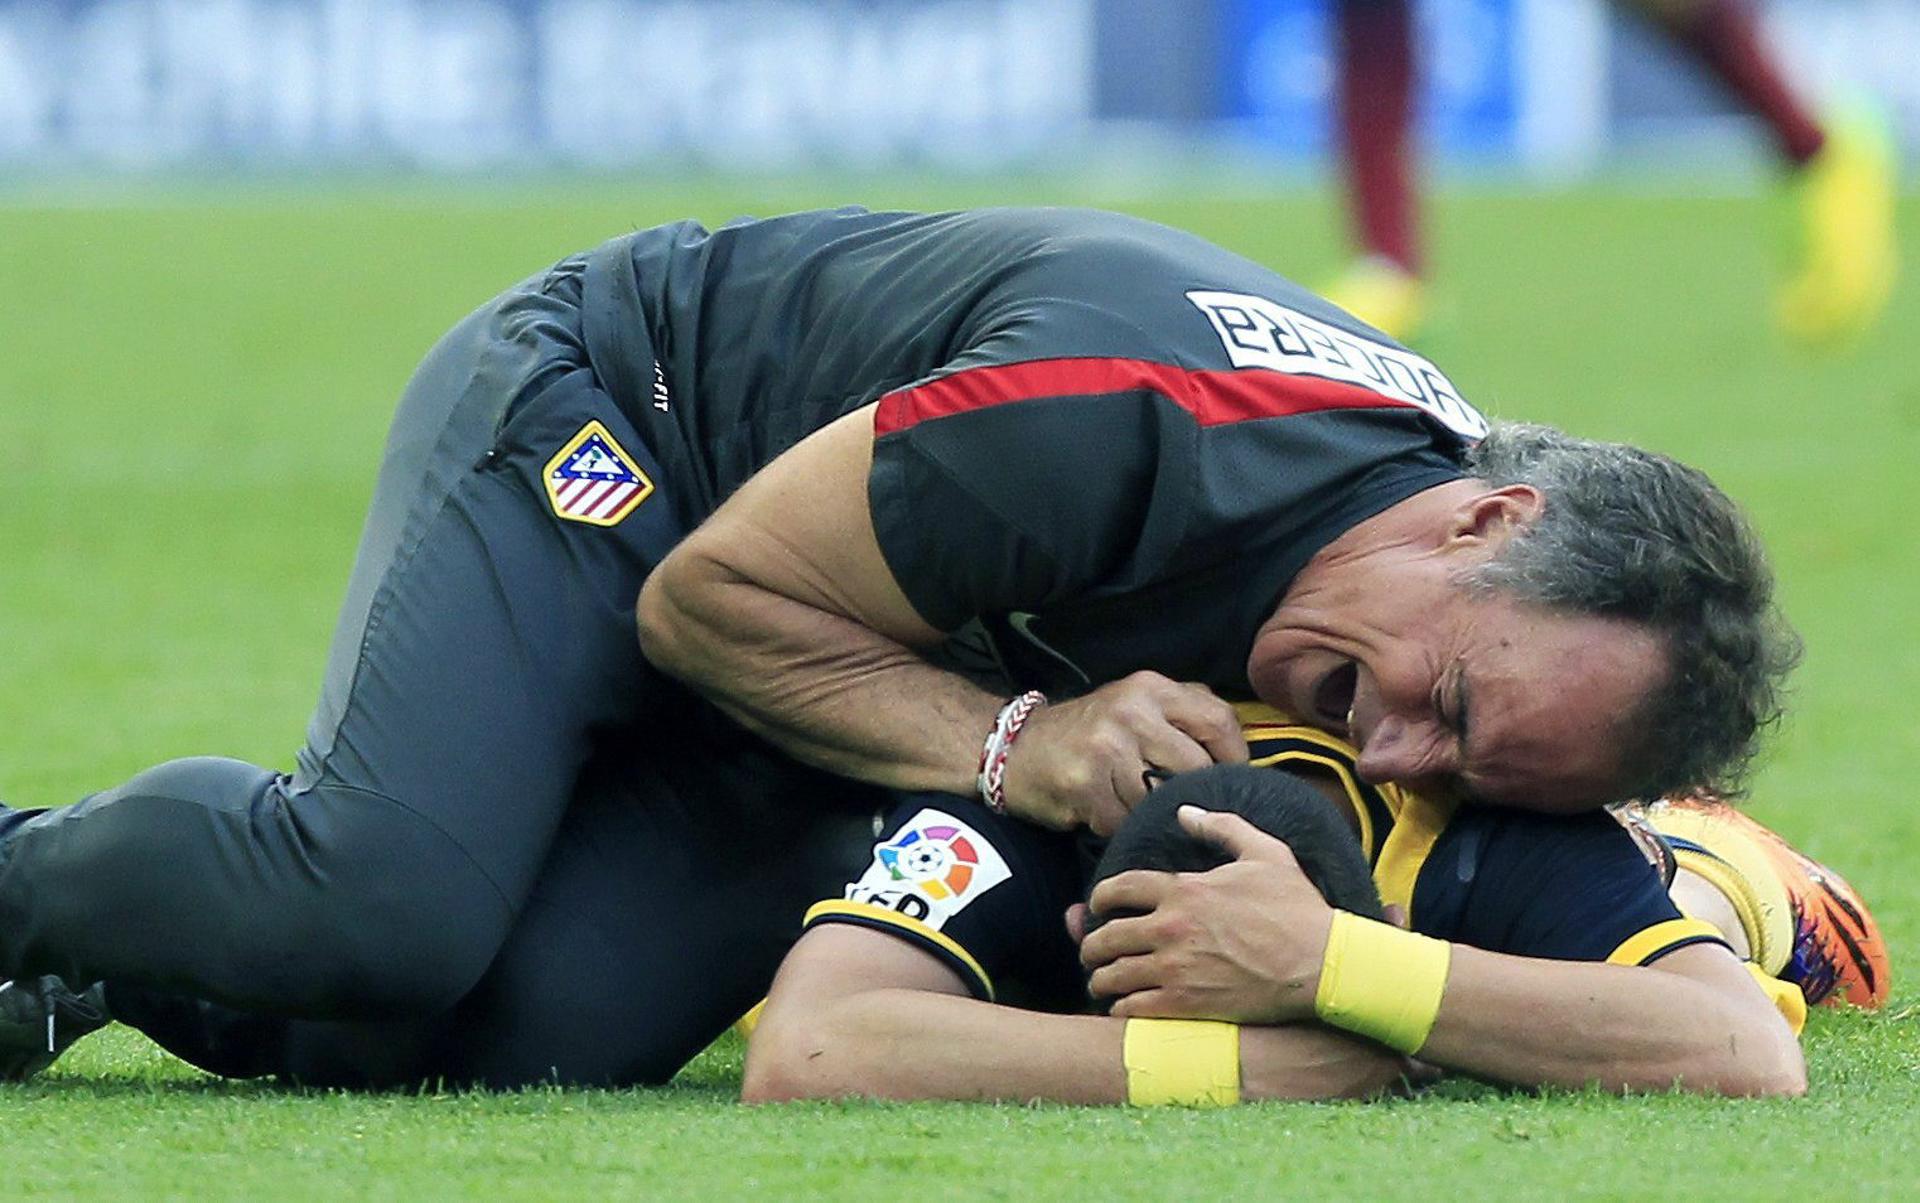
column 1841, row 173
column 1374, row 102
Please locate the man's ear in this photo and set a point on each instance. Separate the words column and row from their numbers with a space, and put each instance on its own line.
column 1489, row 519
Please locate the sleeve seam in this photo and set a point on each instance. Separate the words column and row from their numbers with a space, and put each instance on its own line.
column 879, row 918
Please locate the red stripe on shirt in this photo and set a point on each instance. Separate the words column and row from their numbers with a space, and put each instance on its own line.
column 1214, row 398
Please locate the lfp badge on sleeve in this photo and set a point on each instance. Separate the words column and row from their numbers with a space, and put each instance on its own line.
column 594, row 480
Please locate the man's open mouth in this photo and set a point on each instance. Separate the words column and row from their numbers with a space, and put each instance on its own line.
column 1333, row 696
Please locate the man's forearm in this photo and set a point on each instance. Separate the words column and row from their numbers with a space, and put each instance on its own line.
column 782, row 611
column 822, row 688
column 1254, row 941
column 1532, row 1022
column 876, row 1045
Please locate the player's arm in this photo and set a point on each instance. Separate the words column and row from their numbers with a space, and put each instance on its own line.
column 1694, row 1019
column 857, row 1012
column 1251, row 942
column 782, row 609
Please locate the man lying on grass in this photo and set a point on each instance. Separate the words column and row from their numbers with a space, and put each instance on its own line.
column 977, row 900
column 1544, row 950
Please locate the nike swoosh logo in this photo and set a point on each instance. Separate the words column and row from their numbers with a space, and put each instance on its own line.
column 1022, row 623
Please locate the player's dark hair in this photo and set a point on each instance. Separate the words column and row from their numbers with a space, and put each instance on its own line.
column 1275, row 801
column 1630, row 534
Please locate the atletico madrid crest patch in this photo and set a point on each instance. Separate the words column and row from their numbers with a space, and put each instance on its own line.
column 594, row 480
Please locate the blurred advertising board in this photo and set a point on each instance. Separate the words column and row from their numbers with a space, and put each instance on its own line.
column 594, row 83
column 1549, row 85
column 1498, row 79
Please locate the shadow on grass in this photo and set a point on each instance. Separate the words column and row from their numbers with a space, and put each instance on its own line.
column 114, row 1088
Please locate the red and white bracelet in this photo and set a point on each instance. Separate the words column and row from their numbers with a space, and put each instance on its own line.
column 993, row 755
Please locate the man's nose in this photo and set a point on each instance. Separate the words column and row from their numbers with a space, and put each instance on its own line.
column 1403, row 752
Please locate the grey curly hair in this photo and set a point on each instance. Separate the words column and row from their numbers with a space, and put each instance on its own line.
column 1630, row 534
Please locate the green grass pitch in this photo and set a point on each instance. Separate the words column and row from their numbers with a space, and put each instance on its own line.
column 193, row 391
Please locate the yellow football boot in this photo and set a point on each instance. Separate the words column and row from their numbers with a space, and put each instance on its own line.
column 1847, row 252
column 1382, row 294
column 1804, row 923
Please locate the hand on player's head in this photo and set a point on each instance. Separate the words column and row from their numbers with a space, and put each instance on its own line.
column 1249, row 828
column 1239, row 803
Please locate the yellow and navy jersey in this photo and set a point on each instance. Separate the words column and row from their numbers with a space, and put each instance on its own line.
column 984, row 893
column 987, row 894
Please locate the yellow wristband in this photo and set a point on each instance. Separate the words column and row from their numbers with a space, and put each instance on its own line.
column 1381, row 982
column 1185, row 1062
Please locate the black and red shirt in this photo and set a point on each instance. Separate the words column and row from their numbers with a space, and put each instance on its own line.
column 1111, row 443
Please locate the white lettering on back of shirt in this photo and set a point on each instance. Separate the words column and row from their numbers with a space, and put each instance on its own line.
column 1259, row 333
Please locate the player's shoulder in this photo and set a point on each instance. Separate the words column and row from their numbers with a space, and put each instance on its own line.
column 1584, row 847
column 1565, row 886
column 1147, row 256
column 1537, row 826
column 980, row 892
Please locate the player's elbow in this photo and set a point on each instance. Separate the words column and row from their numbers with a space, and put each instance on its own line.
column 1749, row 1077
column 768, row 1077
column 784, row 1061
column 1754, row 1056
column 812, row 1047
column 667, row 610
column 1787, row 1081
column 771, row 1080
column 1765, row 1060
column 1772, row 1065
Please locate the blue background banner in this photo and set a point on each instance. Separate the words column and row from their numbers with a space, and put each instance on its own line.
column 1280, row 68
column 468, row 85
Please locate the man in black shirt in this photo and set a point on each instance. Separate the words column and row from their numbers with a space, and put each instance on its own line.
column 819, row 450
